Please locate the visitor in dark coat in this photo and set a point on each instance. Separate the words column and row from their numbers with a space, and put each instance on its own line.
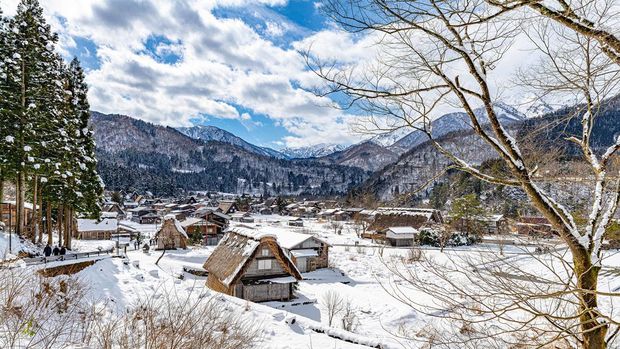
column 47, row 251
column 56, row 251
column 63, row 251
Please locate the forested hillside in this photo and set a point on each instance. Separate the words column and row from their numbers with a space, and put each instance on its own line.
column 137, row 155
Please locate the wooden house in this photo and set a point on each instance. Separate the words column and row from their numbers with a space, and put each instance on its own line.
column 227, row 207
column 149, row 218
column 535, row 226
column 91, row 229
column 387, row 217
column 8, row 213
column 308, row 252
column 251, row 265
column 210, row 231
column 114, row 207
column 400, row 236
column 296, row 222
column 171, row 235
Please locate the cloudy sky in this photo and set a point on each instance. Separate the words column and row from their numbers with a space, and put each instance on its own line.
column 229, row 63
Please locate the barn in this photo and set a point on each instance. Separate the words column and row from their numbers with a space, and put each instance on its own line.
column 250, row 264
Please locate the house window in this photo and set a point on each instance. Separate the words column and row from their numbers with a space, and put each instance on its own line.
column 264, row 264
column 265, row 252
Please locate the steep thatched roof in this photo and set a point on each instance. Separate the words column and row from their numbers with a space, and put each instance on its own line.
column 171, row 223
column 237, row 249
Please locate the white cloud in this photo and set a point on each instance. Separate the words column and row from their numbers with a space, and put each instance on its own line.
column 225, row 62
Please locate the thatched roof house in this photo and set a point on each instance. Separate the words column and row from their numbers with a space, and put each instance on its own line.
column 171, row 235
column 387, row 217
column 250, row 264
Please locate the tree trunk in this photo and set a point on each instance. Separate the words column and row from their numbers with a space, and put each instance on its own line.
column 1, row 186
column 21, row 198
column 34, row 225
column 59, row 212
column 594, row 331
column 160, row 257
column 21, row 190
column 67, row 227
column 40, row 215
column 48, row 222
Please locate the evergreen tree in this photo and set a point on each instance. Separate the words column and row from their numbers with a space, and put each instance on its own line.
column 30, row 64
column 466, row 214
column 88, row 184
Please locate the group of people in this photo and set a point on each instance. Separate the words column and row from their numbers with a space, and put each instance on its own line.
column 56, row 251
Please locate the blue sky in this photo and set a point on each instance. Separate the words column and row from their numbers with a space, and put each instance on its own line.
column 296, row 19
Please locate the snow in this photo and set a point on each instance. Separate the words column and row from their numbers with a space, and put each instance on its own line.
column 252, row 233
column 86, row 225
column 359, row 275
column 304, row 253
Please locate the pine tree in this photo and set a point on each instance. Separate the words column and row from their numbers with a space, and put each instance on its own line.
column 29, row 68
column 89, row 186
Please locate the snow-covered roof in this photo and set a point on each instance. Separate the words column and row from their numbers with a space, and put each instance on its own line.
column 127, row 227
column 234, row 251
column 251, row 233
column 403, row 230
column 304, row 253
column 109, row 214
column 86, row 225
column 190, row 221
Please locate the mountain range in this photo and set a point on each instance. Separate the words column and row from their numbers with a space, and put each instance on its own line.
column 139, row 155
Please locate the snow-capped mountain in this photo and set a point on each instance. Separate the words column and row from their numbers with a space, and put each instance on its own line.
column 313, row 151
column 212, row 133
column 388, row 139
column 456, row 122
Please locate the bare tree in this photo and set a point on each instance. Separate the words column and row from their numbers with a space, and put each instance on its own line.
column 334, row 305
column 349, row 318
column 437, row 53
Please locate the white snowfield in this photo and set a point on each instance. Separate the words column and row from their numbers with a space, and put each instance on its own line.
column 358, row 274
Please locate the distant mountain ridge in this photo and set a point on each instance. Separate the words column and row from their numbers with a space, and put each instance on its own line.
column 137, row 155
column 313, row 151
column 212, row 133
column 421, row 164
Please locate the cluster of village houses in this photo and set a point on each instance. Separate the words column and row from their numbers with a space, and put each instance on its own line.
column 263, row 263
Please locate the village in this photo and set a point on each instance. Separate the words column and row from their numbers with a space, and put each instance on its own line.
column 294, row 174
column 286, row 255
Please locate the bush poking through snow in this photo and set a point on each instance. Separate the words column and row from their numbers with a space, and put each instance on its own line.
column 38, row 312
column 414, row 254
column 170, row 321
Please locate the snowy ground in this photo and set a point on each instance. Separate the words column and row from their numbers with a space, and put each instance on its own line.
column 358, row 275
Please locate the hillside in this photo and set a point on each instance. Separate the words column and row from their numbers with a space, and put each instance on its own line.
column 423, row 163
column 134, row 154
column 367, row 155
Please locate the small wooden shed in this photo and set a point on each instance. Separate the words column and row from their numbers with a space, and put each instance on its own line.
column 171, row 235
column 250, row 264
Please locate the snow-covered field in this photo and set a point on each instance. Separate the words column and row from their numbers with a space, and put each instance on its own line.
column 358, row 274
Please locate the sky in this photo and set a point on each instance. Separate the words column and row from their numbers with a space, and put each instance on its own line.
column 234, row 64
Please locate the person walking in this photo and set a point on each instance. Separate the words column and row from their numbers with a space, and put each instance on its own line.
column 47, row 251
column 56, row 251
column 63, row 251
